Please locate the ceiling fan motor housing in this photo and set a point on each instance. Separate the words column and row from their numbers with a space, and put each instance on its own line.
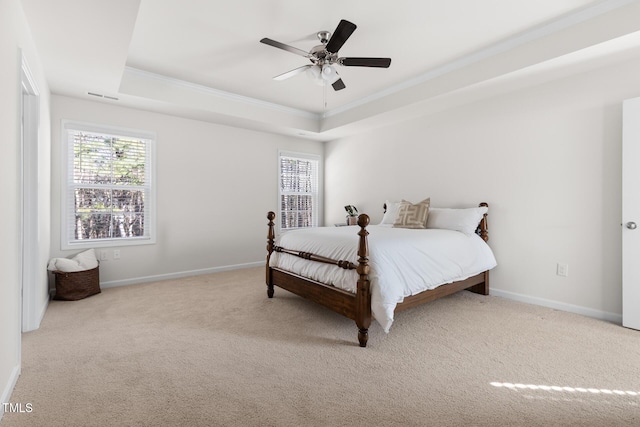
column 319, row 55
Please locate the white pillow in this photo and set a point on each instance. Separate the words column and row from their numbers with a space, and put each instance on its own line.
column 390, row 215
column 83, row 261
column 87, row 259
column 464, row 220
column 63, row 264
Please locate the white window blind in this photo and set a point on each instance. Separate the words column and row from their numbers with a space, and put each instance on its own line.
column 299, row 188
column 108, row 192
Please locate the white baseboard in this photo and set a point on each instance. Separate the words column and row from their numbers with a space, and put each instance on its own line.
column 8, row 389
column 45, row 305
column 584, row 311
column 178, row 275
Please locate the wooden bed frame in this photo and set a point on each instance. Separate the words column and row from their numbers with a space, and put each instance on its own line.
column 358, row 306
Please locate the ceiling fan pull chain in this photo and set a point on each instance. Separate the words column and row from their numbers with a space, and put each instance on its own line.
column 324, row 99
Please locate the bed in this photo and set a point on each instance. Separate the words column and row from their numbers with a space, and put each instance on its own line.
column 332, row 266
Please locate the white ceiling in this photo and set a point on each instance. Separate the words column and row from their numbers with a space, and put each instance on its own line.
column 203, row 59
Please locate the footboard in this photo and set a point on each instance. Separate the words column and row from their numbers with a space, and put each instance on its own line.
column 356, row 307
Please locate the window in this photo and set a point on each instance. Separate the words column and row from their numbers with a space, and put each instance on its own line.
column 299, row 190
column 108, row 194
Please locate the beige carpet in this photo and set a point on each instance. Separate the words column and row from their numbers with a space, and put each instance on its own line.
column 215, row 351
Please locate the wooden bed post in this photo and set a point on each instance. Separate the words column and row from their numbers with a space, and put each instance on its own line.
column 484, row 229
column 483, row 232
column 270, row 238
column 363, row 295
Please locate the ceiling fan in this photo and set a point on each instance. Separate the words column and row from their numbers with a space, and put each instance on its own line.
column 324, row 56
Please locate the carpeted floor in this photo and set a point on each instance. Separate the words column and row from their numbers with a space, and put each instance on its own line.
column 215, row 351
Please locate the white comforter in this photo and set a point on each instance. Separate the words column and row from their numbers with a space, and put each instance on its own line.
column 403, row 262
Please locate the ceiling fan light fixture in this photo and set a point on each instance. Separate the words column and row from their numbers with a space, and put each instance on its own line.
column 329, row 74
column 323, row 75
column 315, row 74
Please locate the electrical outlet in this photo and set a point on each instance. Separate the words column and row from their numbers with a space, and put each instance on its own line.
column 562, row 270
column 116, row 254
column 104, row 256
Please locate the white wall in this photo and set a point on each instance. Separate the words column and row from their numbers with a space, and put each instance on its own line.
column 547, row 159
column 15, row 41
column 215, row 185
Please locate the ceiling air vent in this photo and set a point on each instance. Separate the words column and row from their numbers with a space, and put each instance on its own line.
column 99, row 95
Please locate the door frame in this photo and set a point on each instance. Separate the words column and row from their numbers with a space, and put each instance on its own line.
column 30, row 123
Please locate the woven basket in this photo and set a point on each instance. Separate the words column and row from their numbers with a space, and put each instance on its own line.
column 77, row 285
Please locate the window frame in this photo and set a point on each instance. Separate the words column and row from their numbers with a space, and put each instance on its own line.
column 318, row 211
column 66, row 240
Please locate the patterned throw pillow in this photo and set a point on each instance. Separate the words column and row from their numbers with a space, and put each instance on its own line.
column 412, row 216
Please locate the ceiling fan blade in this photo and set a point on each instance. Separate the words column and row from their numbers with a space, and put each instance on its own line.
column 365, row 62
column 293, row 72
column 338, row 85
column 285, row 47
column 340, row 35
